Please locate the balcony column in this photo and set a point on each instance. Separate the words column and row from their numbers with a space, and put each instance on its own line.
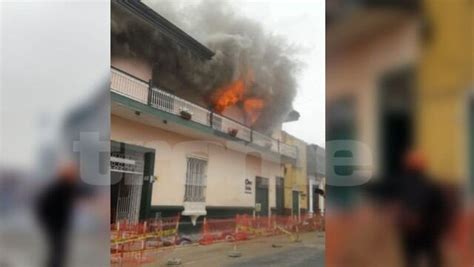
column 150, row 86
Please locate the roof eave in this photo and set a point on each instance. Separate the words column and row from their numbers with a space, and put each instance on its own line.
column 166, row 27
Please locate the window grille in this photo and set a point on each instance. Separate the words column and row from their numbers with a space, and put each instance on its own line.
column 127, row 163
column 195, row 180
column 129, row 197
column 129, row 168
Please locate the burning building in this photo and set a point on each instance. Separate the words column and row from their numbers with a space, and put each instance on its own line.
column 195, row 129
column 316, row 170
column 296, row 179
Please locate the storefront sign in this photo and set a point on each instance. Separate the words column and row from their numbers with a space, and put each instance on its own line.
column 248, row 186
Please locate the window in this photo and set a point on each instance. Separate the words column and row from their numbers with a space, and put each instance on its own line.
column 195, row 180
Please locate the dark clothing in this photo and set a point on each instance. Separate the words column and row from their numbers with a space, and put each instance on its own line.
column 55, row 207
column 416, row 247
column 424, row 214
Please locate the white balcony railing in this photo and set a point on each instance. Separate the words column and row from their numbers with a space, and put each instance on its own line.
column 230, row 127
column 288, row 150
column 138, row 90
column 129, row 86
column 262, row 140
column 178, row 106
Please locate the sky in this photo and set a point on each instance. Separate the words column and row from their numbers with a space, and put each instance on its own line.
column 42, row 75
column 32, row 71
column 301, row 22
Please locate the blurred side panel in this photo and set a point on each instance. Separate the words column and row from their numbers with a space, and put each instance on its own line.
column 399, row 78
column 54, row 79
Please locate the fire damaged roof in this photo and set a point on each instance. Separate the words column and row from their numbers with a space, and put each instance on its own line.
column 166, row 27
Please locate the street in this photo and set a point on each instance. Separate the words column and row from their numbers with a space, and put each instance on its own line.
column 268, row 251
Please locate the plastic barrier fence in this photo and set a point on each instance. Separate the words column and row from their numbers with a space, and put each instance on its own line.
column 136, row 244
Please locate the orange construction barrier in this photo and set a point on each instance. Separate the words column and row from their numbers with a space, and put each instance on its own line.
column 207, row 238
column 137, row 243
column 242, row 226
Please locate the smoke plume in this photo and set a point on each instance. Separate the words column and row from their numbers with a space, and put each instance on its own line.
column 265, row 62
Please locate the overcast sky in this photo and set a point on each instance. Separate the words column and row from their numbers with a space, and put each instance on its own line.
column 46, row 65
column 301, row 22
column 53, row 56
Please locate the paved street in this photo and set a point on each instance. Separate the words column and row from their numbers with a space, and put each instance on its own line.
column 258, row 252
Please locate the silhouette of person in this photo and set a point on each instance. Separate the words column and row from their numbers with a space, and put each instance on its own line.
column 54, row 209
column 423, row 213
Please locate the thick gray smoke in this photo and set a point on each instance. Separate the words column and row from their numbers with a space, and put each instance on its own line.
column 240, row 44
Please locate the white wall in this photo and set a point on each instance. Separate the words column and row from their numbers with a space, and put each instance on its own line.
column 226, row 172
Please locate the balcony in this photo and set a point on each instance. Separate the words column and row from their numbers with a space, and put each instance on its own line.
column 140, row 91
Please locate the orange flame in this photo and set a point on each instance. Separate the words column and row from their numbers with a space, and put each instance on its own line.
column 229, row 95
column 253, row 108
column 234, row 93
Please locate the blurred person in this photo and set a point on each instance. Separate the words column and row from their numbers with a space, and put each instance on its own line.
column 420, row 221
column 55, row 208
column 422, row 212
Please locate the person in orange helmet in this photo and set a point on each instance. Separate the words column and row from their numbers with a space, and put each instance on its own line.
column 422, row 212
column 424, row 217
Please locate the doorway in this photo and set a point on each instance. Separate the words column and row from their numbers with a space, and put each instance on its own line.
column 315, row 198
column 128, row 195
column 261, row 196
column 396, row 105
column 296, row 203
column 280, row 193
column 131, row 168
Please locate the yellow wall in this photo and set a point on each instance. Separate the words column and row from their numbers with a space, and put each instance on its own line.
column 445, row 76
column 296, row 175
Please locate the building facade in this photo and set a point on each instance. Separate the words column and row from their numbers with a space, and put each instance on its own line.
column 316, row 171
column 393, row 83
column 171, row 154
column 371, row 57
column 296, row 179
column 445, row 86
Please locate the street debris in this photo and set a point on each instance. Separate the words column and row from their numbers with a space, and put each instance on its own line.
column 234, row 253
column 174, row 261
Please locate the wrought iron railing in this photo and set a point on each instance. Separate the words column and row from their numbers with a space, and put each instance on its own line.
column 139, row 90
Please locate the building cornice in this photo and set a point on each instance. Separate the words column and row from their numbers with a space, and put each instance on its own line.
column 147, row 14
